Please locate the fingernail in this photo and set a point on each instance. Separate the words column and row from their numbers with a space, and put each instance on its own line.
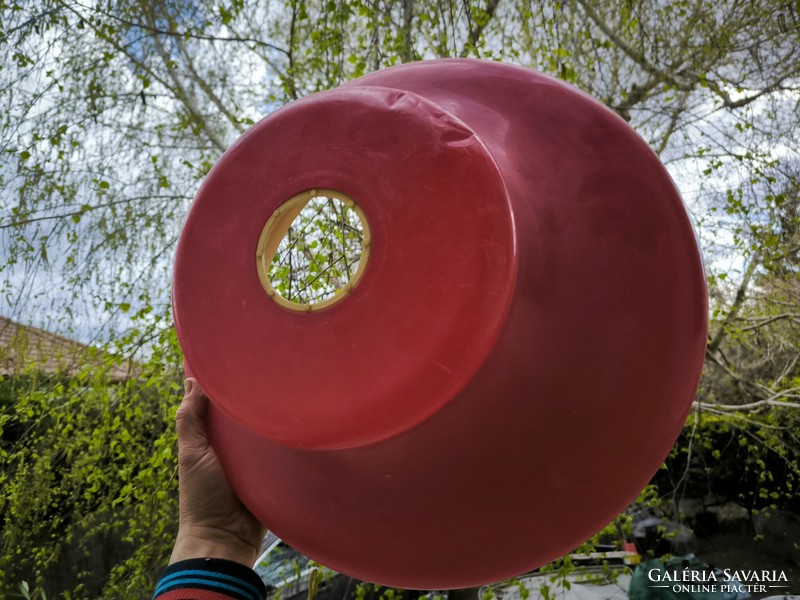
column 188, row 386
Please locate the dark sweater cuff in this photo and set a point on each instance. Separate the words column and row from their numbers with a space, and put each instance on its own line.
column 214, row 576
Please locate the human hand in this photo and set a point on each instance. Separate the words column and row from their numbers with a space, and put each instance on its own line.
column 213, row 521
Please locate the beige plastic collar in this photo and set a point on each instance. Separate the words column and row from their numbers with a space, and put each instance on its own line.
column 278, row 226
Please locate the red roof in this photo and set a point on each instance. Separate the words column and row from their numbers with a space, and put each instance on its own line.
column 25, row 349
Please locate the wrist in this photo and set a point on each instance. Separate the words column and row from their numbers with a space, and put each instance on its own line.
column 204, row 542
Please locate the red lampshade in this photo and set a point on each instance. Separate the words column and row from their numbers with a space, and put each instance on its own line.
column 516, row 359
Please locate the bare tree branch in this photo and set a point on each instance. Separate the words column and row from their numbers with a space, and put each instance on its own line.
column 737, row 303
column 477, row 29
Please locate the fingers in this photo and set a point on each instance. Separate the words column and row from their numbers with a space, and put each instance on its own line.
column 189, row 420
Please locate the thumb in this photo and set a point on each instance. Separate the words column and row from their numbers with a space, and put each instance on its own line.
column 189, row 420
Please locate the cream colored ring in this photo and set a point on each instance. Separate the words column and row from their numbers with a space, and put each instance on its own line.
column 277, row 227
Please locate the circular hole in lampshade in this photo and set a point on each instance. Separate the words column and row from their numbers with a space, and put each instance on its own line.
column 313, row 250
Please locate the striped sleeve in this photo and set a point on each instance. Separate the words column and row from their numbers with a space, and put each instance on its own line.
column 209, row 579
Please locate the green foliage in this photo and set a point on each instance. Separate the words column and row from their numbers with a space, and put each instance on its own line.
column 87, row 470
column 750, row 459
column 25, row 592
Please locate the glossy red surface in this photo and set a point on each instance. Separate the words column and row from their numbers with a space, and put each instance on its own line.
column 518, row 358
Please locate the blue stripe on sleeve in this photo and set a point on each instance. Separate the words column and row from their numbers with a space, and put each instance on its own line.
column 207, row 578
column 223, row 586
